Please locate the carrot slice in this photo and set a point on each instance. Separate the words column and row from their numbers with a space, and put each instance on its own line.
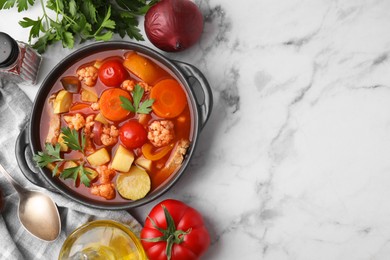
column 144, row 68
column 110, row 104
column 169, row 98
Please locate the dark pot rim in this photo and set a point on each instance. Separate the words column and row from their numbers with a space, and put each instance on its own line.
column 201, row 107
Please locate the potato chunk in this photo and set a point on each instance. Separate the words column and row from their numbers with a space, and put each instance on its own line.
column 99, row 117
column 89, row 95
column 62, row 102
column 93, row 174
column 144, row 163
column 99, row 157
column 123, row 159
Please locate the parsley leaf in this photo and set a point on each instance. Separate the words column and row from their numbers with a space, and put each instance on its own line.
column 136, row 106
column 72, row 139
column 107, row 23
column 35, row 26
column 67, row 40
column 84, row 176
column 104, row 37
column 70, row 173
column 146, row 106
column 55, row 170
column 50, row 155
column 72, row 8
column 126, row 104
column 89, row 10
column 23, row 4
column 75, row 172
column 138, row 93
column 43, row 42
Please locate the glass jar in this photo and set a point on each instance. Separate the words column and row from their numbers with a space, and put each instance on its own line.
column 102, row 239
column 19, row 62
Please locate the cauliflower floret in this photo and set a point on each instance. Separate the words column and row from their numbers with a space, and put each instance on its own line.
column 89, row 75
column 109, row 135
column 128, row 85
column 161, row 133
column 95, row 106
column 89, row 124
column 145, row 86
column 106, row 190
column 105, row 173
column 76, row 121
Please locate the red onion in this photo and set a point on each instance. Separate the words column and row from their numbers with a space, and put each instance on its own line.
column 71, row 84
column 97, row 132
column 174, row 25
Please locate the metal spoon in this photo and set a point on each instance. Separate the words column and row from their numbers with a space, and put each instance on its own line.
column 37, row 212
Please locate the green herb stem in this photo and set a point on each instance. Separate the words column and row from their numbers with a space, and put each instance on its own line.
column 44, row 13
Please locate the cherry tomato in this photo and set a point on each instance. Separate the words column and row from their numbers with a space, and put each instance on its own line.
column 112, row 73
column 184, row 226
column 132, row 134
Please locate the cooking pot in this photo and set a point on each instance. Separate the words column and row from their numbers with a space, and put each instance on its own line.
column 28, row 142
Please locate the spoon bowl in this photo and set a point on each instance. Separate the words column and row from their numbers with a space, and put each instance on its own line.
column 37, row 212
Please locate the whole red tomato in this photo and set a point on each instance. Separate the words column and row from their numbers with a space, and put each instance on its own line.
column 112, row 73
column 173, row 230
column 132, row 134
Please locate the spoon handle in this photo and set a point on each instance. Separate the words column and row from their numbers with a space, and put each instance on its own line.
column 16, row 185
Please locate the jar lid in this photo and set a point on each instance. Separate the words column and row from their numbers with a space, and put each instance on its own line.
column 9, row 50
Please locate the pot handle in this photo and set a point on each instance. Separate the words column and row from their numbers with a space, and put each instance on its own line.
column 23, row 155
column 202, row 90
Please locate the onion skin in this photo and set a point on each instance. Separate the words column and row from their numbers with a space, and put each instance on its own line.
column 174, row 25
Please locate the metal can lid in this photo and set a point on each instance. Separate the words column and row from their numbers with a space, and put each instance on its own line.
column 9, row 50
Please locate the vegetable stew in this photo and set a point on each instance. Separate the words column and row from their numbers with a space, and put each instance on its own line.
column 116, row 125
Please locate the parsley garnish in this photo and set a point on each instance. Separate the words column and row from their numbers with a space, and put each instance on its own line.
column 75, row 172
column 81, row 20
column 136, row 106
column 71, row 138
column 72, row 172
column 51, row 154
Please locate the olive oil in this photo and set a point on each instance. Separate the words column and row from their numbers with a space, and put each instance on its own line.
column 102, row 239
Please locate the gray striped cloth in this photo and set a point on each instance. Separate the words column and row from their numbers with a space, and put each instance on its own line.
column 17, row 243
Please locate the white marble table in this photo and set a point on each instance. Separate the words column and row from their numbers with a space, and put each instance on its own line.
column 294, row 162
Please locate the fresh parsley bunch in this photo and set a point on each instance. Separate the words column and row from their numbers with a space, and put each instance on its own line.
column 81, row 20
